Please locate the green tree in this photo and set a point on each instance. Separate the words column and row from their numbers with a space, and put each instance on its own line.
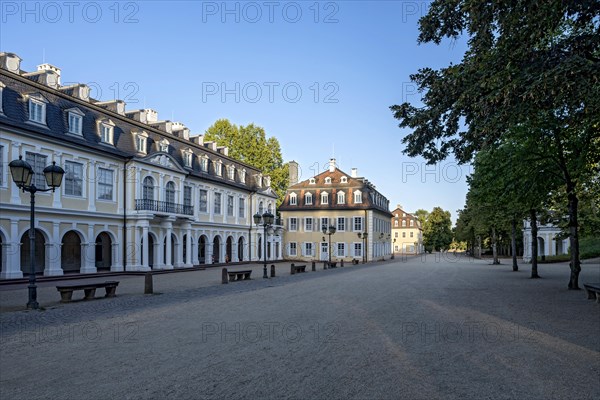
column 421, row 216
column 250, row 145
column 437, row 232
column 529, row 65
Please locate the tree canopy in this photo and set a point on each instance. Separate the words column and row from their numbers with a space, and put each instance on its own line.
column 437, row 230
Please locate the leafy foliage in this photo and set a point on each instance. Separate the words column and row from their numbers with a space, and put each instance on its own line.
column 437, row 230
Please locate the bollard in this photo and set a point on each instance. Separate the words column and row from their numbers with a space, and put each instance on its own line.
column 224, row 276
column 292, row 272
column 314, row 266
column 272, row 270
column 324, row 264
column 148, row 283
column 342, row 263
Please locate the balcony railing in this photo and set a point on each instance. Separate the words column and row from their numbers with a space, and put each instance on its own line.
column 163, row 207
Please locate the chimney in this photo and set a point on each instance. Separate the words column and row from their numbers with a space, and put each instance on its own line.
column 145, row 115
column 223, row 150
column 332, row 165
column 354, row 173
column 293, row 172
column 198, row 139
column 45, row 77
column 50, row 67
column 180, row 130
column 117, row 106
column 78, row 90
column 10, row 62
column 166, row 126
column 399, row 206
column 267, row 181
column 211, row 145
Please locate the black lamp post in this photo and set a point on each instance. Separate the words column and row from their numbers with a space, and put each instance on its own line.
column 266, row 221
column 364, row 236
column 394, row 249
column 330, row 230
column 22, row 174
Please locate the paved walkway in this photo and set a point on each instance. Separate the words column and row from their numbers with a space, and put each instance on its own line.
column 425, row 328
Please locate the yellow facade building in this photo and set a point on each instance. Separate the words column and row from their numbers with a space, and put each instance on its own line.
column 407, row 233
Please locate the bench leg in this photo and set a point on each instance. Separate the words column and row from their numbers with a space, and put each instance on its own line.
column 591, row 295
column 89, row 293
column 65, row 296
column 111, row 291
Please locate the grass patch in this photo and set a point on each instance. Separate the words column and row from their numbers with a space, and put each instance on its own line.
column 589, row 247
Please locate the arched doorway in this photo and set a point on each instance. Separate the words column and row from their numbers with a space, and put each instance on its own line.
column 103, row 252
column 40, row 252
column 229, row 249
column 541, row 247
column 241, row 249
column 202, row 249
column 173, row 249
column 216, row 257
column 70, row 255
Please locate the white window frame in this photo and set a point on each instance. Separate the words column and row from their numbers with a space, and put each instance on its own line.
column 358, row 197
column 242, row 207
column 2, row 86
column 324, row 198
column 204, row 163
column 311, row 181
column 308, row 199
column 218, row 204
column 243, row 175
column 76, row 179
column 341, row 224
column 412, row 223
column 325, row 221
column 358, row 221
column 39, row 162
column 231, row 172
column 170, row 195
column 293, row 249
column 219, row 168
column 230, row 205
column 74, row 114
column 404, row 223
column 337, row 249
column 99, row 183
column 200, row 201
column 357, row 245
column 107, row 132
column 309, row 249
column 188, row 200
column 188, row 155
column 306, row 224
column 163, row 146
column 328, row 181
column 344, row 179
column 148, row 189
column 341, row 197
column 40, row 116
column 293, row 199
column 293, row 224
column 141, row 142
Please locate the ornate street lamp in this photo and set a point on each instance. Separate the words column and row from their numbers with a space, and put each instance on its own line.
column 394, row 249
column 22, row 174
column 266, row 221
column 330, row 230
column 363, row 236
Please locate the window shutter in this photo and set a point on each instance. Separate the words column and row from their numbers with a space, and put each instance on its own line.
column 288, row 249
column 314, row 249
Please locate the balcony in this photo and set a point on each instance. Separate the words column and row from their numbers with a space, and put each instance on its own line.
column 163, row 207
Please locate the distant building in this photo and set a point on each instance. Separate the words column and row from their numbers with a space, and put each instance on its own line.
column 548, row 242
column 407, row 233
column 334, row 198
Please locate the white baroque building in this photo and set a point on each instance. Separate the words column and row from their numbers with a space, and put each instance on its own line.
column 138, row 194
column 548, row 244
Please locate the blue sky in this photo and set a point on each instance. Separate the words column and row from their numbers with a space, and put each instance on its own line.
column 319, row 76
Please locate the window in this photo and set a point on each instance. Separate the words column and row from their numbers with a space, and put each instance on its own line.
column 357, row 249
column 293, row 199
column 259, row 180
column 412, row 223
column 163, row 146
column 344, row 179
column 230, row 206
column 311, row 181
column 308, row 224
column 242, row 207
column 324, row 223
column 341, row 197
column 293, row 224
column 358, row 224
column 357, row 197
column 403, row 215
column 396, row 223
column 411, row 234
column 293, row 249
column 37, row 110
column 38, row 162
column 170, row 192
column 187, row 196
column 328, row 181
column 324, row 198
column 1, row 87
column 106, row 133
column 403, row 234
column 231, row 172
column 204, row 164
column 148, row 188
column 243, row 176
column 341, row 224
column 341, row 250
column 75, row 122
column 187, row 158
column 308, row 249
column 203, row 201
column 73, row 179
column 141, row 140
column 404, row 223
column 217, row 203
column 270, row 208
column 219, row 168
column 308, row 199
column 105, row 184
column 395, row 234
column 261, row 208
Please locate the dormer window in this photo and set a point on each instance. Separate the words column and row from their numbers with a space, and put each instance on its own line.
column 324, row 198
column 341, row 198
column 231, row 172
column 204, row 163
column 344, row 179
column 311, row 181
column 2, row 86
column 187, row 157
column 163, row 146
column 357, row 197
column 308, row 199
column 267, row 181
column 219, row 168
column 75, row 118
column 259, row 180
column 141, row 139
column 293, row 199
column 107, row 131
column 243, row 176
column 328, row 181
column 37, row 109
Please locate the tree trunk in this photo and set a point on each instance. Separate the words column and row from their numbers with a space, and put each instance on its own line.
column 514, row 244
column 534, row 245
column 575, row 264
column 495, row 260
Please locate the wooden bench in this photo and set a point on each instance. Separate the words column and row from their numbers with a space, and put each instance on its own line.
column 239, row 275
column 593, row 291
column 296, row 269
column 89, row 290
